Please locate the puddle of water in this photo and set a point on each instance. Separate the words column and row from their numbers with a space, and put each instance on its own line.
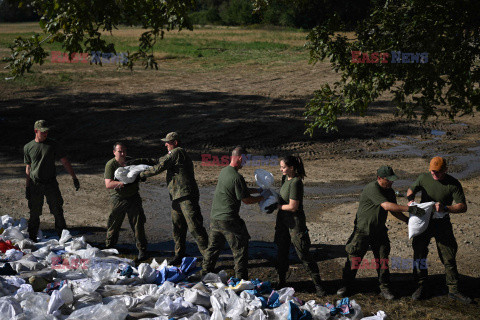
column 437, row 132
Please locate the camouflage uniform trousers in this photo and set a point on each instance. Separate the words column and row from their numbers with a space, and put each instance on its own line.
column 55, row 202
column 447, row 247
column 132, row 206
column 356, row 248
column 236, row 234
column 291, row 228
column 186, row 215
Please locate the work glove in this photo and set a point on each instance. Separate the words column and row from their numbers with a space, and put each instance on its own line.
column 28, row 192
column 141, row 178
column 266, row 193
column 76, row 184
column 271, row 208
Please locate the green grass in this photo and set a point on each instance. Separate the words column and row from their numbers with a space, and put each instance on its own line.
column 206, row 48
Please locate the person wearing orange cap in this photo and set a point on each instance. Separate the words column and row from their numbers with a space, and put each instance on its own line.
column 443, row 189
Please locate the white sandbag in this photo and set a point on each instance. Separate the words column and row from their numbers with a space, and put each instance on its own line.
column 66, row 293
column 147, row 273
column 285, row 294
column 197, row 297
column 13, row 255
column 381, row 315
column 242, row 285
column 174, row 308
column 252, row 301
column 55, row 302
column 64, row 237
column 128, row 301
column 264, row 179
column 7, row 221
column 115, row 310
column 319, row 312
column 26, row 244
column 84, row 286
column 128, row 174
column 9, row 308
column 418, row 224
column 13, row 234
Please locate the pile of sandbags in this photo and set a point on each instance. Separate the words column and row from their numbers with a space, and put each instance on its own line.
column 67, row 278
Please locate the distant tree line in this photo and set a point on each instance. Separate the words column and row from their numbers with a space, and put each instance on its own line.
column 300, row 14
column 11, row 12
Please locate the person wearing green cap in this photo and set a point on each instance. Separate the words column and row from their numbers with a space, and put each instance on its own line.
column 443, row 189
column 376, row 200
column 184, row 194
column 41, row 182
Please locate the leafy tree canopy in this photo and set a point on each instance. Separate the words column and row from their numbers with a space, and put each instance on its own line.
column 78, row 25
column 425, row 52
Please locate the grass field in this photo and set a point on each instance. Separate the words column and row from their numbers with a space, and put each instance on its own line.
column 199, row 50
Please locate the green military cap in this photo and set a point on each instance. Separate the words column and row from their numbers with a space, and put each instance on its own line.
column 41, row 125
column 387, row 173
column 171, row 137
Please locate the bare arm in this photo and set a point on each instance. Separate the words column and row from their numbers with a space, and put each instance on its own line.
column 291, row 206
column 66, row 164
column 112, row 184
column 396, row 210
column 454, row 208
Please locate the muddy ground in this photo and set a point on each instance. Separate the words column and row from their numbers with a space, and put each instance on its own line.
column 260, row 108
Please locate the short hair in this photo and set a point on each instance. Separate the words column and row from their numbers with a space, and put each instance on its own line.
column 238, row 151
column 118, row 143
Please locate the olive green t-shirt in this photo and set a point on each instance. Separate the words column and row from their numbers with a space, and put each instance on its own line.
column 292, row 189
column 444, row 191
column 128, row 190
column 231, row 189
column 371, row 217
column 41, row 157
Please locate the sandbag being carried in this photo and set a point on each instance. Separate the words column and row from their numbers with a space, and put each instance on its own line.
column 128, row 174
column 264, row 180
column 419, row 218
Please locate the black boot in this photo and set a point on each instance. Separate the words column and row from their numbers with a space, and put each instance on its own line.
column 319, row 290
column 282, row 281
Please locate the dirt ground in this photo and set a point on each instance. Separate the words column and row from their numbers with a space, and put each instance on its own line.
column 262, row 109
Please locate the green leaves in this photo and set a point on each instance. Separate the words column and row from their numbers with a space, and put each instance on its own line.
column 80, row 26
column 24, row 53
column 446, row 84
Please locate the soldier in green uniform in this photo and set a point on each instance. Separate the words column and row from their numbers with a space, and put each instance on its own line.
column 376, row 200
column 225, row 221
column 125, row 200
column 183, row 189
column 291, row 224
column 443, row 189
column 39, row 156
